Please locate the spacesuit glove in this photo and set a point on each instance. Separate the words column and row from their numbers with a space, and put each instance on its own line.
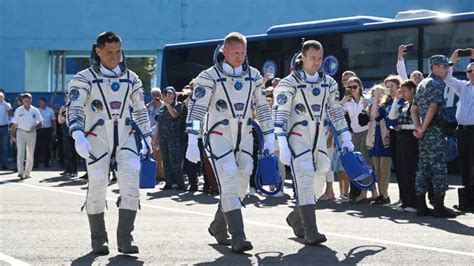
column 285, row 154
column 192, row 152
column 269, row 143
column 346, row 140
column 145, row 150
column 82, row 145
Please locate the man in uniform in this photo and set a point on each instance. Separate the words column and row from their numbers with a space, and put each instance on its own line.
column 224, row 98
column 303, row 100
column 98, row 116
column 429, row 105
column 169, row 141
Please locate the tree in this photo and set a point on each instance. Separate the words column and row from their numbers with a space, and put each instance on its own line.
column 145, row 69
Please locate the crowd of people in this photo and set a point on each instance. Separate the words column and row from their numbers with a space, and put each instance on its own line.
column 398, row 124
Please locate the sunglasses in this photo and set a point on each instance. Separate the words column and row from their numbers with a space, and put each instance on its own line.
column 469, row 71
column 355, row 87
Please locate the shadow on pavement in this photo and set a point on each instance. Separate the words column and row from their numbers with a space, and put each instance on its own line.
column 125, row 260
column 355, row 255
column 63, row 181
column 307, row 255
column 87, row 259
column 228, row 257
column 188, row 197
column 398, row 217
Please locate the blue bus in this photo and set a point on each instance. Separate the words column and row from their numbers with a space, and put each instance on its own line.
column 366, row 45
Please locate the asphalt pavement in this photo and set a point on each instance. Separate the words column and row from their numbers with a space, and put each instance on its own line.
column 41, row 223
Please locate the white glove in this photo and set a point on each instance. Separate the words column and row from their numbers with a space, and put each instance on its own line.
column 346, row 141
column 285, row 155
column 192, row 152
column 269, row 143
column 144, row 150
column 82, row 145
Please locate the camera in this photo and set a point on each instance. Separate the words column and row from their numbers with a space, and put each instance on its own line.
column 409, row 47
column 347, row 91
column 464, row 52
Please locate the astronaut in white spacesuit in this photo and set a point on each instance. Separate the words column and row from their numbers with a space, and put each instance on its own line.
column 302, row 100
column 98, row 116
column 223, row 101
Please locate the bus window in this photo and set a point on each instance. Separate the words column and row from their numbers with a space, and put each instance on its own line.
column 444, row 39
column 373, row 54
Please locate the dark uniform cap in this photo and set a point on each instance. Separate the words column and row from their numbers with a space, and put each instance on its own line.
column 439, row 60
column 169, row 89
column 26, row 94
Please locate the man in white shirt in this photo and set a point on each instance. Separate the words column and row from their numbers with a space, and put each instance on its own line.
column 26, row 120
column 464, row 89
column 44, row 135
column 5, row 109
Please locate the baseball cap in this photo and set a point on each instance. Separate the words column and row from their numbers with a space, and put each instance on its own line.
column 169, row 89
column 439, row 60
column 26, row 94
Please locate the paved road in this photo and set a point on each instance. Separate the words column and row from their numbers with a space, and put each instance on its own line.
column 41, row 224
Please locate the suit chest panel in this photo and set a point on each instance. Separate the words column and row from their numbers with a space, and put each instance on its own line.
column 109, row 97
column 233, row 96
column 309, row 100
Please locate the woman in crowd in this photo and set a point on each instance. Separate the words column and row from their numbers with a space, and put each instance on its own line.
column 407, row 145
column 354, row 105
column 378, row 142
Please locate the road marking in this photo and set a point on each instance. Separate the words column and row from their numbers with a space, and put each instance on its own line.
column 375, row 240
column 12, row 261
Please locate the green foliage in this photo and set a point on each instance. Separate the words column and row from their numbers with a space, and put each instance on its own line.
column 145, row 69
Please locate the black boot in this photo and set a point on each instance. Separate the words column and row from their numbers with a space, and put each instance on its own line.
column 218, row 229
column 236, row 229
column 440, row 211
column 99, row 240
column 308, row 216
column 294, row 221
column 422, row 209
column 124, row 232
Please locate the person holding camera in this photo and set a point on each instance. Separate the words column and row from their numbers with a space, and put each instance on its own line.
column 168, row 121
column 464, row 89
column 355, row 105
column 378, row 142
column 407, row 145
column 430, row 106
column 416, row 76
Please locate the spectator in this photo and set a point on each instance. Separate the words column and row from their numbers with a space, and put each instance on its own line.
column 5, row 109
column 168, row 130
column 354, row 105
column 70, row 154
column 26, row 120
column 336, row 165
column 392, row 83
column 281, row 167
column 324, row 170
column 154, row 105
column 407, row 145
column 430, row 106
column 464, row 115
column 153, row 108
column 378, row 142
column 192, row 170
column 45, row 134
column 416, row 76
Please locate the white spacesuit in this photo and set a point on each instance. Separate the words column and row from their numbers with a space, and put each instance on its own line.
column 299, row 110
column 223, row 102
column 97, row 114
